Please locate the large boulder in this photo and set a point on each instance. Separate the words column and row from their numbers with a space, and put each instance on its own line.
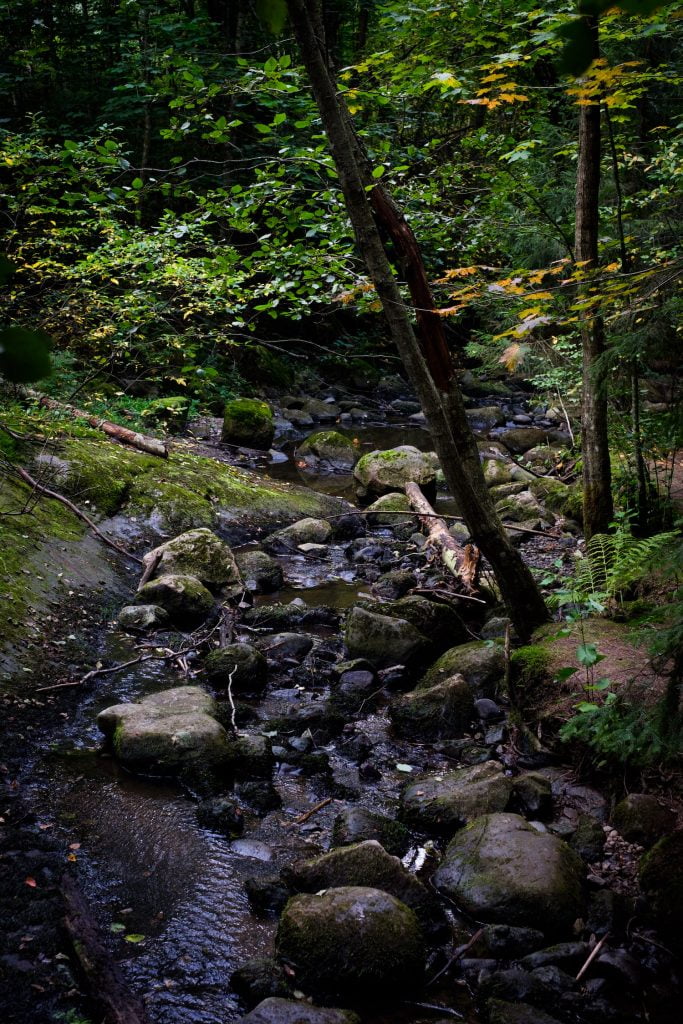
column 304, row 531
column 382, row 472
column 275, row 1010
column 382, row 639
column 261, row 573
column 198, row 553
column 238, row 667
column 368, row 864
column 350, row 943
column 435, row 619
column 248, row 422
column 481, row 662
column 356, row 824
column 522, row 439
column 184, row 597
column 521, row 507
column 642, row 819
column 329, row 451
column 443, row 711
column 321, row 411
column 661, row 879
column 500, row 869
column 444, row 801
column 166, row 733
column 485, row 417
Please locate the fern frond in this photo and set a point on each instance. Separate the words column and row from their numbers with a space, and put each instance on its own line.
column 615, row 561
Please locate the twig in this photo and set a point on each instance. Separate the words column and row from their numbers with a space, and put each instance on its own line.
column 447, row 1010
column 566, row 418
column 459, row 953
column 446, row 594
column 309, row 814
column 233, row 709
column 27, row 478
column 455, row 519
column 594, row 952
column 150, row 568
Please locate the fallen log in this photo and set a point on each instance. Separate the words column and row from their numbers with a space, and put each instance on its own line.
column 463, row 562
column 106, row 984
column 150, row 445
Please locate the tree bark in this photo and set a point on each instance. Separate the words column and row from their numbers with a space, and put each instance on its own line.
column 463, row 562
column 428, row 367
column 598, row 508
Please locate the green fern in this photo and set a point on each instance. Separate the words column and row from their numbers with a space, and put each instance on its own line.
column 615, row 561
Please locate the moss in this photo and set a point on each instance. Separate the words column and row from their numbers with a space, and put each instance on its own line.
column 248, row 421
column 558, row 497
column 530, row 666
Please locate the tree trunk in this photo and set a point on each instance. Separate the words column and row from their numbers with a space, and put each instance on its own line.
column 428, row 367
column 597, row 484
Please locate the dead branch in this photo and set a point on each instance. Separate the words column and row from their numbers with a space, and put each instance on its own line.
column 462, row 562
column 309, row 814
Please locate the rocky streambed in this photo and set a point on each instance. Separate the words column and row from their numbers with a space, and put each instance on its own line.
column 325, row 811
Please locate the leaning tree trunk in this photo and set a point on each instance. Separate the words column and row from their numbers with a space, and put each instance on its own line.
column 427, row 364
column 597, row 483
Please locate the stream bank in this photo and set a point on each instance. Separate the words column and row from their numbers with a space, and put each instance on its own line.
column 172, row 894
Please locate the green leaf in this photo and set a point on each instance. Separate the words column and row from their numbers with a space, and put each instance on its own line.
column 588, row 655
column 564, row 673
column 273, row 13
column 586, row 707
column 134, row 937
column 24, row 355
column 279, row 118
column 377, row 172
column 137, row 183
column 117, row 927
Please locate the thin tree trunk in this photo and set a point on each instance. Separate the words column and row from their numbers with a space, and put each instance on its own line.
column 150, row 445
column 430, row 372
column 597, row 484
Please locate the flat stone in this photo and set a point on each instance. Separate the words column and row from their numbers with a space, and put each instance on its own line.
column 444, row 801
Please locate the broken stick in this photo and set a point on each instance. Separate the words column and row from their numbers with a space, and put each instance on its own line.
column 463, row 562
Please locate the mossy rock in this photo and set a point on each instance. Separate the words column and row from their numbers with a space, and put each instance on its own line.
column 328, row 449
column 481, row 662
column 143, row 616
column 521, row 439
column 442, row 802
column 275, row 1010
column 261, row 573
column 661, row 880
column 186, row 600
column 352, row 943
column 249, row 422
column 521, row 507
column 384, row 472
column 558, row 497
column 249, row 756
column 498, row 868
column 383, row 511
column 485, row 417
column 365, row 864
column 239, row 667
column 199, row 553
column 642, row 819
column 305, row 531
column 496, row 472
column 442, row 711
column 434, row 619
column 356, row 824
column 381, row 639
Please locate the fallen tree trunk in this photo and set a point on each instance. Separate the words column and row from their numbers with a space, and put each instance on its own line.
column 463, row 562
column 108, row 988
column 150, row 445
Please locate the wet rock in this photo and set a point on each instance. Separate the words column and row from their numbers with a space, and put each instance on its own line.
column 661, row 880
column 494, row 628
column 488, row 710
column 355, row 689
column 395, row 584
column 513, row 984
column 619, row 966
column 300, row 419
column 356, row 824
column 259, row 979
column 348, row 526
column 381, row 639
column 443, row 710
column 267, row 896
column 522, row 508
column 502, row 1012
column 261, row 573
column 248, row 421
column 167, row 733
column 505, row 942
column 444, row 801
column 238, row 666
column 221, row 815
column 305, row 531
column 291, row 1011
column 481, row 662
column 568, row 955
column 285, row 616
column 434, row 619
column 383, row 472
column 199, row 553
column 641, row 818
column 589, row 839
column 327, row 451
column 286, row 646
column 320, row 411
column 249, row 755
column 388, row 511
column 186, row 600
column 485, row 417
column 532, row 794
column 143, row 616
column 352, row 942
column 366, row 864
column 501, row 869
column 521, row 439
column 261, row 796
